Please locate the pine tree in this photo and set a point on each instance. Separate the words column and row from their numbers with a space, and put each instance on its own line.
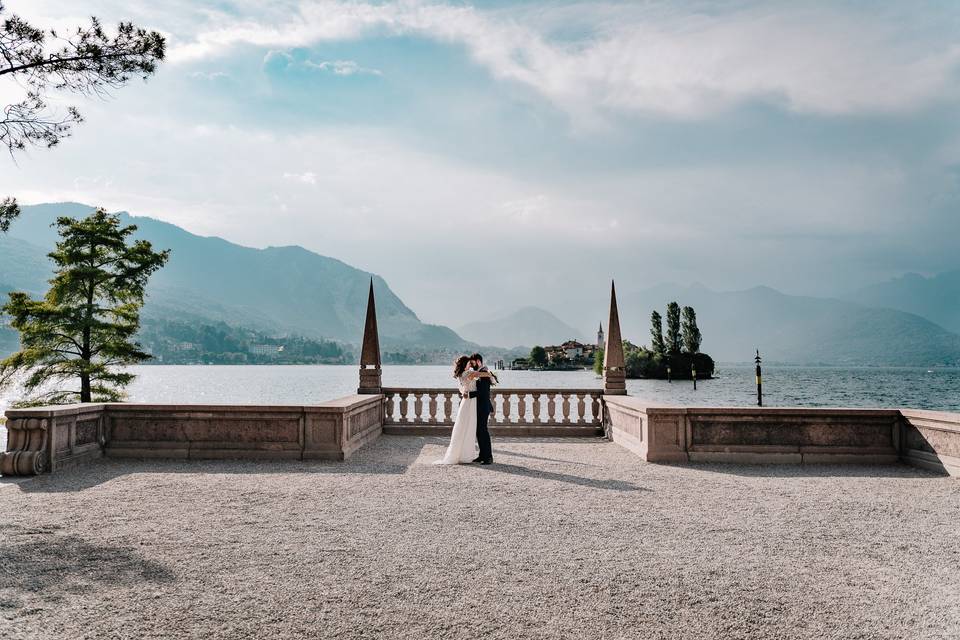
column 656, row 333
column 86, row 60
column 691, row 333
column 74, row 340
column 9, row 209
column 674, row 343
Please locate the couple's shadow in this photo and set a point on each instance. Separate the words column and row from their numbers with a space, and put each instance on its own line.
column 528, row 472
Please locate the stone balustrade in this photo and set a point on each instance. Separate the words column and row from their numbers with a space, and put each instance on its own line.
column 428, row 411
column 51, row 438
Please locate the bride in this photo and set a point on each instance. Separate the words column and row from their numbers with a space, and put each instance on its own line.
column 463, row 440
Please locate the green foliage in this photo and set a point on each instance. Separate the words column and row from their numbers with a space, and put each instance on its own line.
column 179, row 342
column 8, row 211
column 641, row 362
column 88, row 61
column 656, row 334
column 691, row 333
column 82, row 331
column 538, row 356
column 674, row 343
column 598, row 361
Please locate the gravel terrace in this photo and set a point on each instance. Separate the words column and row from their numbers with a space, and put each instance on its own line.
column 558, row 539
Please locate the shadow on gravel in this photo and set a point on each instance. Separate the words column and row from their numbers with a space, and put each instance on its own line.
column 384, row 457
column 514, row 454
column 812, row 470
column 37, row 562
column 593, row 483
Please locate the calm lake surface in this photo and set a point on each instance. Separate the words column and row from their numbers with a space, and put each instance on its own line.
column 733, row 385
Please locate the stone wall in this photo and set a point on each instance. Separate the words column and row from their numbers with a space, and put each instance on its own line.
column 931, row 439
column 51, row 438
column 755, row 435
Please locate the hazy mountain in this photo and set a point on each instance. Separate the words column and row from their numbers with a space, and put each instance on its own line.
column 292, row 290
column 277, row 289
column 524, row 327
column 795, row 329
column 936, row 298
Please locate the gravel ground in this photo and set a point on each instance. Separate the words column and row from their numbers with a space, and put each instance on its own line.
column 558, row 539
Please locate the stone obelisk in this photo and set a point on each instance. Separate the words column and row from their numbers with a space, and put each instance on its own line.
column 614, row 379
column 370, row 370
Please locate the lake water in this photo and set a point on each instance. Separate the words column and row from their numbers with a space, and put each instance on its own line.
column 733, row 385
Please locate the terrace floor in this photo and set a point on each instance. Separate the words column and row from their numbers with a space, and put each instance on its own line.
column 558, row 539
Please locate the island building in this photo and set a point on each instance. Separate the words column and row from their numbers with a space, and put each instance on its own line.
column 265, row 349
column 571, row 351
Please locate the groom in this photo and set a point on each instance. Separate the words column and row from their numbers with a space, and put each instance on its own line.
column 484, row 407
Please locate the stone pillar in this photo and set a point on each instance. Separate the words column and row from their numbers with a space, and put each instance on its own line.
column 614, row 377
column 370, row 371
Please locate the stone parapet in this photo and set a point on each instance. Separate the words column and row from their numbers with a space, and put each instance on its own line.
column 931, row 440
column 754, row 435
column 51, row 438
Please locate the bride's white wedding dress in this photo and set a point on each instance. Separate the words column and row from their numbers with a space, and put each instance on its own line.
column 463, row 441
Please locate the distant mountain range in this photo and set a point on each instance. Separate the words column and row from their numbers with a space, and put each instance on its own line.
column 290, row 290
column 936, row 298
column 795, row 329
column 524, row 327
column 276, row 290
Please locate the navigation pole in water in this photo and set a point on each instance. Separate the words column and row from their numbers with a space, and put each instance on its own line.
column 759, row 381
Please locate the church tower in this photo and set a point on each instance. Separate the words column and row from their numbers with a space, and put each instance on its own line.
column 600, row 337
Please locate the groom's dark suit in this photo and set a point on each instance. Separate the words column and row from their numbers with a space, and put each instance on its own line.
column 484, row 408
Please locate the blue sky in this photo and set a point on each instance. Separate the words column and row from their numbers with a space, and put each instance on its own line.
column 813, row 147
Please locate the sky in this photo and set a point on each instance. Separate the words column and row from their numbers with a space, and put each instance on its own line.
column 483, row 157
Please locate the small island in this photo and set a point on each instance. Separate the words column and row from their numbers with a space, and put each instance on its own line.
column 572, row 355
column 674, row 356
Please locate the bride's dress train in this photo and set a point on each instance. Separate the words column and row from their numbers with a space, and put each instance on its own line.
column 463, row 440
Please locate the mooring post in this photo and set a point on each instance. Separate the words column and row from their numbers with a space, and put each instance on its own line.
column 693, row 371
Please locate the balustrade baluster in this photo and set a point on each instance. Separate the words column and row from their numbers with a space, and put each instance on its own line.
column 448, row 407
column 418, row 408
column 388, row 408
column 510, row 408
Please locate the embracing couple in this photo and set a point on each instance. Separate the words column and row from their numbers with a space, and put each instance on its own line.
column 474, row 381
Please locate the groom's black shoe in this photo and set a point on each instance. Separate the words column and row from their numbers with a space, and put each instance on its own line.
column 488, row 461
column 477, row 460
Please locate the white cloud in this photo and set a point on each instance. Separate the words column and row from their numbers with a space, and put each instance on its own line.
column 275, row 59
column 212, row 76
column 307, row 177
column 342, row 67
column 638, row 59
